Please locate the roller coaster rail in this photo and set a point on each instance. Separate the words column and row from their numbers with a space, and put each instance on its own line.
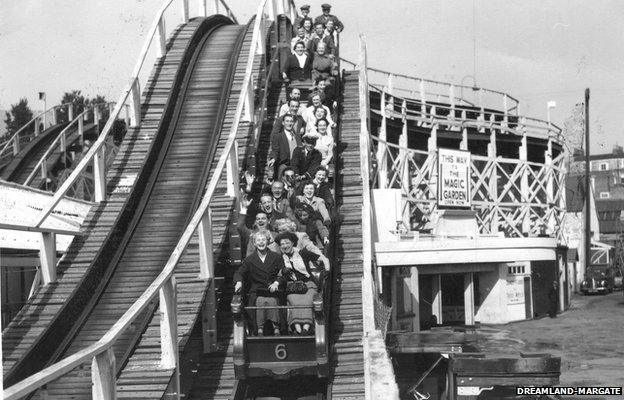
column 60, row 140
column 156, row 40
column 100, row 354
column 24, row 134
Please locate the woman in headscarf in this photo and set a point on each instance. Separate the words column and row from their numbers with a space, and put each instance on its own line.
column 298, row 268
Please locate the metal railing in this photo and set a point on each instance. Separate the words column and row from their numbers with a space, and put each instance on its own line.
column 30, row 130
column 60, row 141
column 430, row 91
column 100, row 354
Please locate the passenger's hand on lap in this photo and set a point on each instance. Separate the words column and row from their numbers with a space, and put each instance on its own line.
column 274, row 286
column 238, row 287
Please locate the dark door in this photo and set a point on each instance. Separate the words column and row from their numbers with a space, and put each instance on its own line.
column 527, row 297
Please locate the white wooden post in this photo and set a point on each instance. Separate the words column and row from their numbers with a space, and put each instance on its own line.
column 63, row 145
column 185, row 11
column 44, row 170
column 54, row 119
column 432, row 144
column 382, row 167
column 202, row 8
column 292, row 12
column 273, row 10
column 103, row 372
column 390, row 90
column 463, row 145
column 47, row 257
column 16, row 144
column 452, row 101
column 206, row 256
column 135, row 103
column 506, row 117
column 168, row 324
column 127, row 116
column 35, row 285
column 99, row 174
column 493, row 188
column 70, row 112
column 215, row 7
column 261, row 47
column 162, row 37
column 232, row 172
column 469, row 306
column 280, row 7
column 524, row 180
column 248, row 107
column 81, row 131
column 550, row 195
column 404, row 162
column 411, row 297
column 37, row 130
column 436, row 303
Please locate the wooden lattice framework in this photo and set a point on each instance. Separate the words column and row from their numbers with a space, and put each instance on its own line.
column 511, row 196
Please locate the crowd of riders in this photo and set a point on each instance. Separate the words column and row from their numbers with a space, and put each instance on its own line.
column 286, row 214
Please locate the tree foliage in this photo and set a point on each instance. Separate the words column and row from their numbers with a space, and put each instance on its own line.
column 19, row 115
column 78, row 101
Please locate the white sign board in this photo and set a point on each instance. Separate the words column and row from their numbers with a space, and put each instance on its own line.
column 515, row 291
column 453, row 178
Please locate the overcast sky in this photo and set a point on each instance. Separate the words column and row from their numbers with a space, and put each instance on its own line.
column 536, row 50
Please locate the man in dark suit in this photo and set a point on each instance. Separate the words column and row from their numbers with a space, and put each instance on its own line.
column 306, row 159
column 259, row 272
column 299, row 124
column 283, row 145
column 326, row 16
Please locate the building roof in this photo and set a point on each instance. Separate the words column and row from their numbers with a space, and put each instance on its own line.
column 610, row 205
column 596, row 157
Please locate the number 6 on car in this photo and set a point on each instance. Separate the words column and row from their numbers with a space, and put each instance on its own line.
column 280, row 351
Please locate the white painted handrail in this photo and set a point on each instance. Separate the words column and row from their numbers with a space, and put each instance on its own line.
column 61, row 138
column 429, row 90
column 162, row 284
column 16, row 136
column 536, row 128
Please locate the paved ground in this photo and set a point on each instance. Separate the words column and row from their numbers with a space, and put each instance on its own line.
column 589, row 337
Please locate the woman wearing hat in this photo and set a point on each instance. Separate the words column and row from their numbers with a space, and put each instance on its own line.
column 298, row 267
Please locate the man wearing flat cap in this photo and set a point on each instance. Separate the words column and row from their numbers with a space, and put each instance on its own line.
column 326, row 16
column 305, row 11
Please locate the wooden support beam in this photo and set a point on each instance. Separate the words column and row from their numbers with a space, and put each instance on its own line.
column 524, row 179
column 280, row 7
column 248, row 107
column 47, row 257
column 16, row 143
column 127, row 115
column 463, row 145
column 436, row 303
column 99, row 174
column 162, row 37
column 185, row 11
column 168, row 325
column 394, row 323
column 209, row 319
column 135, row 104
column 260, row 48
column 550, row 192
column 273, row 10
column 382, row 163
column 81, row 131
column 206, row 255
column 37, row 129
column 233, row 182
column 412, row 297
column 103, row 371
column 493, row 184
column 469, row 306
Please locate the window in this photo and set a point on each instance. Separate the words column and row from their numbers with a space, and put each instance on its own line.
column 515, row 270
column 604, row 166
column 605, row 195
